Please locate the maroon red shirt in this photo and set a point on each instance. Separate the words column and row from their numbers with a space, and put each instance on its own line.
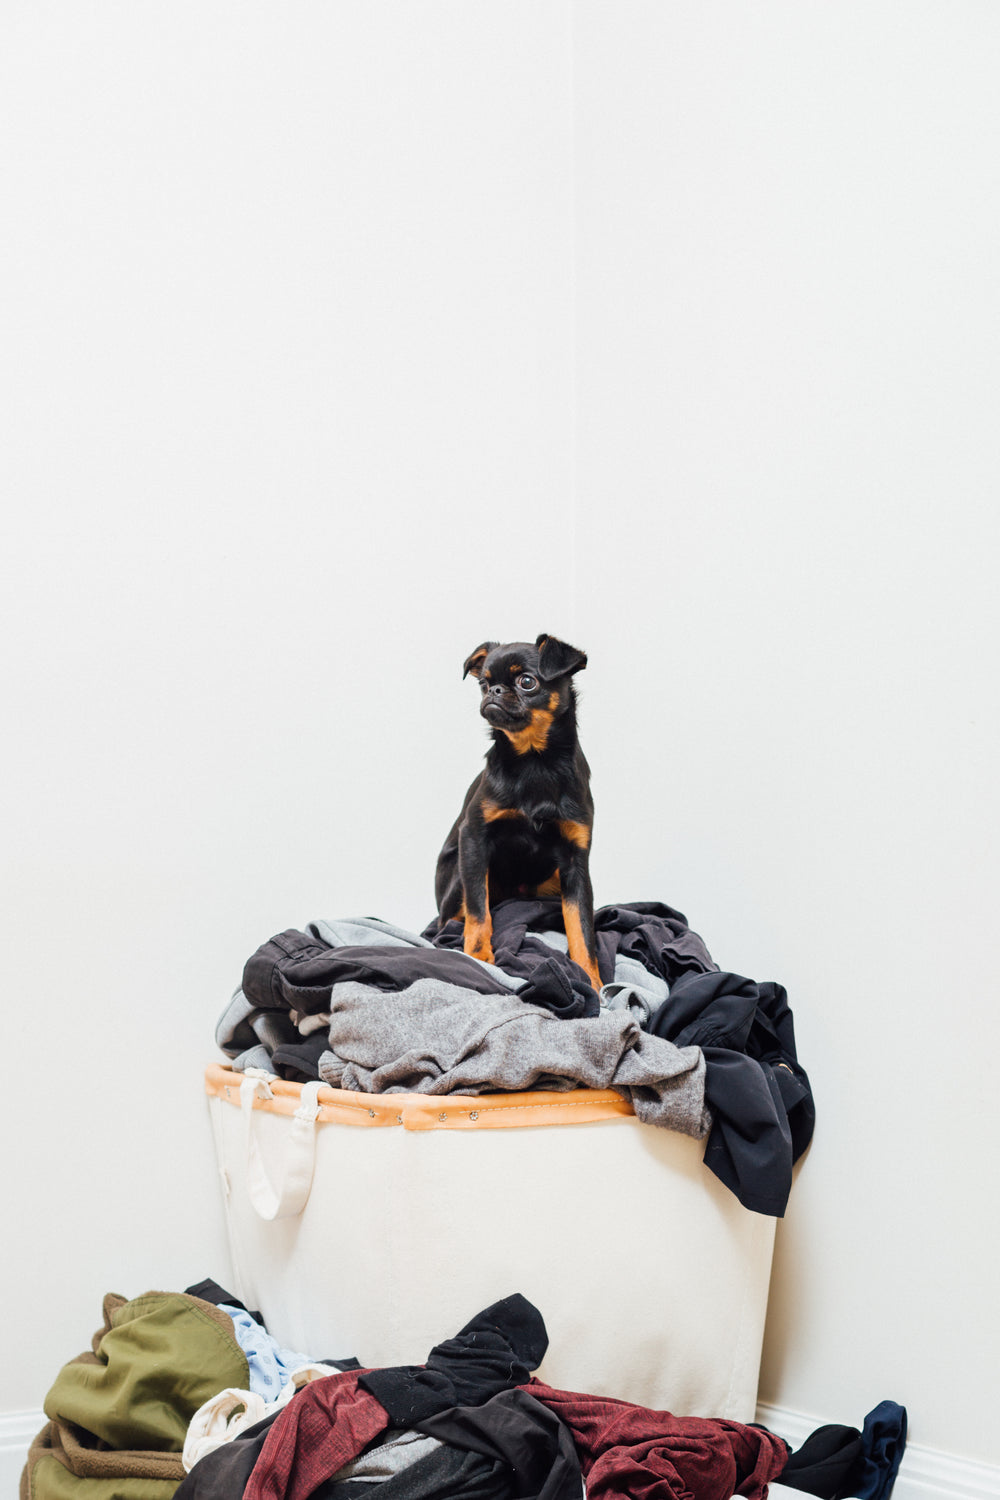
column 626, row 1452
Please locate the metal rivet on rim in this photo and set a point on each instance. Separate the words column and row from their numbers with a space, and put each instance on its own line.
column 473, row 1114
column 442, row 1117
column 372, row 1113
column 399, row 1119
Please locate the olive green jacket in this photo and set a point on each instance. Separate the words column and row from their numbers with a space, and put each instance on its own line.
column 118, row 1414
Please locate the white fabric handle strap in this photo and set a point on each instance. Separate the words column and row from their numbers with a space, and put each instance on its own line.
column 292, row 1194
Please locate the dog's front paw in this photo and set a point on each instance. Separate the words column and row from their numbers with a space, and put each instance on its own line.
column 477, row 942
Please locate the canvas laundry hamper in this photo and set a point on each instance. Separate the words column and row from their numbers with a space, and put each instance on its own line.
column 377, row 1225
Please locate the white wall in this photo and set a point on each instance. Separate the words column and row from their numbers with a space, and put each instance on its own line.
column 787, row 478
column 289, row 321
column 286, row 330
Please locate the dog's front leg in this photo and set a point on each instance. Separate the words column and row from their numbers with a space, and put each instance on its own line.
column 578, row 907
column 473, row 866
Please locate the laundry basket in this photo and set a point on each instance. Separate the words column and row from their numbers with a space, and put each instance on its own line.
column 377, row 1225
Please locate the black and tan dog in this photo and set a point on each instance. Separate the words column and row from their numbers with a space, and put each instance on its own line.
column 525, row 825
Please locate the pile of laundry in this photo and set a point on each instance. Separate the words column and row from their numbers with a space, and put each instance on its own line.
column 361, row 1004
column 185, row 1396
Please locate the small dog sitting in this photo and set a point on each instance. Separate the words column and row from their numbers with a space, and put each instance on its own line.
column 525, row 825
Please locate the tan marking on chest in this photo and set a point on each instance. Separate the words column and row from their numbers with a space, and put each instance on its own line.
column 535, row 734
column 491, row 812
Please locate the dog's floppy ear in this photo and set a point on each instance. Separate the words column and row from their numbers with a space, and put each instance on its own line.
column 474, row 663
column 556, row 659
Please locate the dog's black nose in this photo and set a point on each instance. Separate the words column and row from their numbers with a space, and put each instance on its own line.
column 496, row 691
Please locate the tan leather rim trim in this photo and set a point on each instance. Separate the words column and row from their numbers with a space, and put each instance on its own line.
column 430, row 1112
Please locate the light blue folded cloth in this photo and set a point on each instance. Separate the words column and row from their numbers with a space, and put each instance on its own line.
column 271, row 1366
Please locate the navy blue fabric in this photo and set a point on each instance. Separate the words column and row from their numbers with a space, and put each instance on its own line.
column 883, row 1442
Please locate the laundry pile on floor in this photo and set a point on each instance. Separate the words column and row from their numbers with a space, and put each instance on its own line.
column 185, row 1396
column 361, row 1004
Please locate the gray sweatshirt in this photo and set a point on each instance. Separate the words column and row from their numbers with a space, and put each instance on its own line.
column 435, row 1038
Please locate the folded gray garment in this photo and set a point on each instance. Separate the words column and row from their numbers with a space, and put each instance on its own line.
column 434, row 1038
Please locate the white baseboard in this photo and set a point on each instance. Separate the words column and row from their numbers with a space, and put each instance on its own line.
column 924, row 1474
column 17, row 1428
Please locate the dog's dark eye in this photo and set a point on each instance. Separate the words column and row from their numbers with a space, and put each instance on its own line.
column 526, row 681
